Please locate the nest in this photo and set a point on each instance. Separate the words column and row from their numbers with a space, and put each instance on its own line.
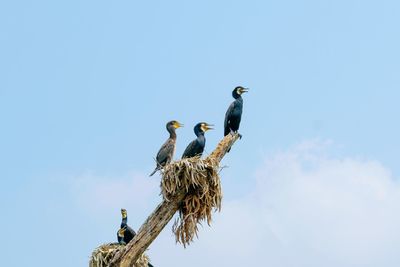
column 103, row 255
column 199, row 181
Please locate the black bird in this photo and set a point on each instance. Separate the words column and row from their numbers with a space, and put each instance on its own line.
column 234, row 113
column 123, row 239
column 125, row 233
column 167, row 150
column 196, row 147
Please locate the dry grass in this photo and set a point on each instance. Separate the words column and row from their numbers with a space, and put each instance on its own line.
column 198, row 179
column 102, row 256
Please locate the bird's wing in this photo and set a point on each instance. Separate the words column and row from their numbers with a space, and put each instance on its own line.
column 188, row 151
column 166, row 152
column 227, row 130
column 131, row 231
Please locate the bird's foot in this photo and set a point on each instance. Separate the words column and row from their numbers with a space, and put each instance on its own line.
column 236, row 132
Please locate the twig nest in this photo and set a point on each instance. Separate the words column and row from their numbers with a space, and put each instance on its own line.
column 103, row 255
column 198, row 179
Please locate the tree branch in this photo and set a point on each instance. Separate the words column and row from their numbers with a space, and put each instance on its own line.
column 160, row 217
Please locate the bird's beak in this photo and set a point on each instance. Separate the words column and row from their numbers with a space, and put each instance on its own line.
column 178, row 125
column 209, row 127
column 245, row 90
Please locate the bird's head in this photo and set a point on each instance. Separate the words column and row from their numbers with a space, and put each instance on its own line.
column 121, row 232
column 174, row 125
column 124, row 213
column 238, row 91
column 202, row 127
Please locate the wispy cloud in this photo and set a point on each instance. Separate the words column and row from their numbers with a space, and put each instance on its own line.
column 308, row 209
column 102, row 194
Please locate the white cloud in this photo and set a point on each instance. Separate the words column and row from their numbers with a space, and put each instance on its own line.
column 308, row 209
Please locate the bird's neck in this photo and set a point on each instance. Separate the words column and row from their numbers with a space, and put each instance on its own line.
column 199, row 133
column 124, row 221
column 239, row 99
column 201, row 138
column 172, row 133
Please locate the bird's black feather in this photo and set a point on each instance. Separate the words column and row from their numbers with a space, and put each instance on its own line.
column 196, row 147
column 129, row 234
column 233, row 115
column 228, row 113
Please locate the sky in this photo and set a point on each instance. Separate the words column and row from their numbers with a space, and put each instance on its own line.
column 86, row 88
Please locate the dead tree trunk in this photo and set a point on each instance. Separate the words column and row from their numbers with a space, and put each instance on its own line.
column 160, row 217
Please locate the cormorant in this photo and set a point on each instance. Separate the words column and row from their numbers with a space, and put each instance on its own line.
column 234, row 113
column 167, row 150
column 196, row 147
column 124, row 236
column 125, row 233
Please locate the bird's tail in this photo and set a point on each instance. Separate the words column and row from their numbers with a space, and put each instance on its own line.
column 155, row 170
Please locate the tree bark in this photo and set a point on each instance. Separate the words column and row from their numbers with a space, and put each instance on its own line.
column 160, row 217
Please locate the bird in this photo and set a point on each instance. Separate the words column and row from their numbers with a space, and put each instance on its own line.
column 196, row 147
column 234, row 113
column 125, row 233
column 167, row 150
column 122, row 241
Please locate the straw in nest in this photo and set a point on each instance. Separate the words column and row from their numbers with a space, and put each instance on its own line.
column 199, row 180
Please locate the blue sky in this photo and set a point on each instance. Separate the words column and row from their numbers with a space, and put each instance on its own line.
column 86, row 88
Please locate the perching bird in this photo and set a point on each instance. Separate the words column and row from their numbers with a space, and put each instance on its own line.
column 125, row 233
column 234, row 113
column 121, row 240
column 196, row 147
column 167, row 150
